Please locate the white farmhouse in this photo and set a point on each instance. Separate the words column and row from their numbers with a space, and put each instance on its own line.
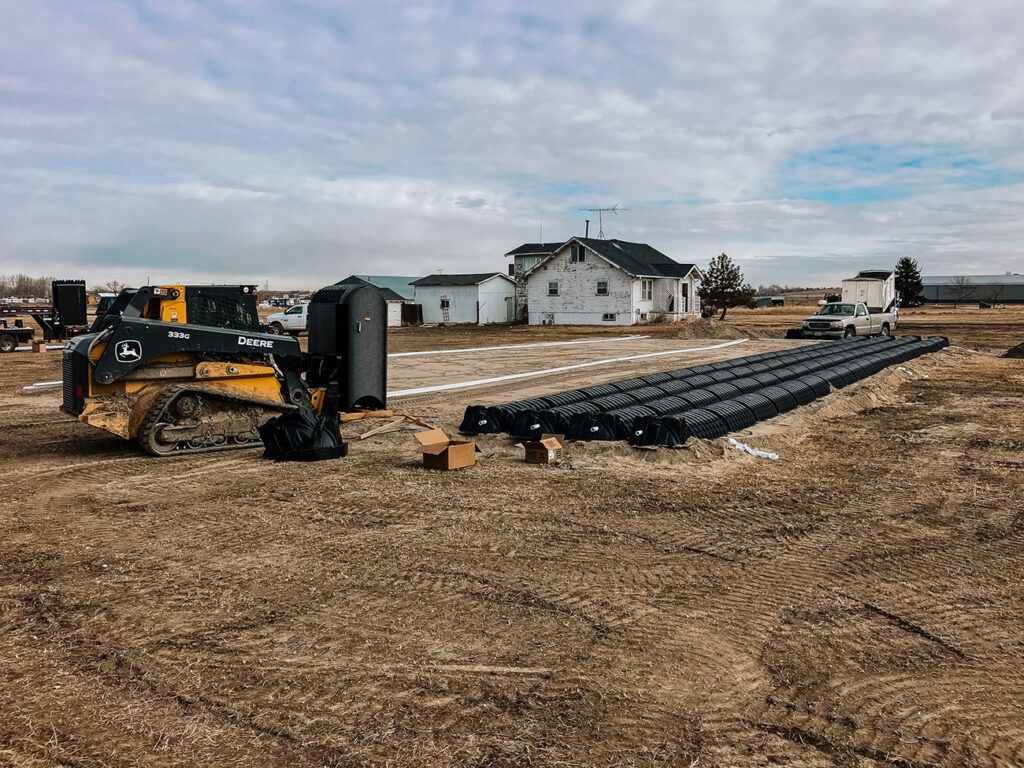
column 610, row 282
column 485, row 297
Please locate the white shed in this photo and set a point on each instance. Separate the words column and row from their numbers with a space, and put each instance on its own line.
column 485, row 297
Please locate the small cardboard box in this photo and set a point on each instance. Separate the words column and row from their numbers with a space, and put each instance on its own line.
column 547, row 450
column 440, row 452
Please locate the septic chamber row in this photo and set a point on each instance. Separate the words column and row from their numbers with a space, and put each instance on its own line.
column 706, row 401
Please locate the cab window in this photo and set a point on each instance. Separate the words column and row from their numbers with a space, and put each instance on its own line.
column 294, row 311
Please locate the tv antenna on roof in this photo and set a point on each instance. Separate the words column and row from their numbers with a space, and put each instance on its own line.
column 600, row 216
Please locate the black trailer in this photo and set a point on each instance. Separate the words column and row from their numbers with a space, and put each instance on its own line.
column 64, row 319
column 13, row 336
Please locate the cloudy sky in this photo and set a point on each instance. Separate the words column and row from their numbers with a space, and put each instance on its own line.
column 301, row 141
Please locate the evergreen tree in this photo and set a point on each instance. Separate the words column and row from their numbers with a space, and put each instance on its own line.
column 722, row 286
column 908, row 282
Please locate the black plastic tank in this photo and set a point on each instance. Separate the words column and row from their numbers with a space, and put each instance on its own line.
column 348, row 344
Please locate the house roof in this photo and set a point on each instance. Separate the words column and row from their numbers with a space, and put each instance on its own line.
column 636, row 259
column 535, row 249
column 872, row 274
column 474, row 278
column 976, row 279
column 388, row 293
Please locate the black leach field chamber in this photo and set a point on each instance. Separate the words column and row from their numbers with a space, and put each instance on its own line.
column 348, row 344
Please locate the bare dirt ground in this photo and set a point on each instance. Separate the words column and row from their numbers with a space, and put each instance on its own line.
column 857, row 603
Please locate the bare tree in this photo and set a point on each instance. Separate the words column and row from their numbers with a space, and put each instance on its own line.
column 995, row 294
column 962, row 288
column 112, row 286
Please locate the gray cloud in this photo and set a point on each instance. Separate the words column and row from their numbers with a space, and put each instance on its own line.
column 294, row 142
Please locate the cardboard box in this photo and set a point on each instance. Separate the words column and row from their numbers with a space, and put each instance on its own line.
column 439, row 452
column 547, row 450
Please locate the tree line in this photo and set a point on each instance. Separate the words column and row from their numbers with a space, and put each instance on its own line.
column 723, row 287
column 25, row 286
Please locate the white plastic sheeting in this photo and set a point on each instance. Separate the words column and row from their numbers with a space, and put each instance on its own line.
column 753, row 451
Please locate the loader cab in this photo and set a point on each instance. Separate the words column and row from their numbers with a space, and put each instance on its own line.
column 222, row 306
column 216, row 306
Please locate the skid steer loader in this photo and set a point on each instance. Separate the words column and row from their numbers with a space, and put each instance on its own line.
column 189, row 369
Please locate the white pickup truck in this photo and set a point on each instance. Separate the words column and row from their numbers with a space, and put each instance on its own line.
column 292, row 320
column 839, row 319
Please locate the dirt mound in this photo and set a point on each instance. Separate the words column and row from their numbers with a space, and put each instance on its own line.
column 709, row 328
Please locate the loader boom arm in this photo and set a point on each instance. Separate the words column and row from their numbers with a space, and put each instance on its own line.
column 134, row 341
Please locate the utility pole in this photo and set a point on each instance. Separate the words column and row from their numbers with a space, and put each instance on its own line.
column 600, row 217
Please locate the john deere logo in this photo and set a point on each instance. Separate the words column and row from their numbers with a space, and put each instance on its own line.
column 128, row 351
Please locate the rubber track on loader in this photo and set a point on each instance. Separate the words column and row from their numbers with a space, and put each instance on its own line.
column 152, row 421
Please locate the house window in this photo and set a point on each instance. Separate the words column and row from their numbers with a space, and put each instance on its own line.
column 553, row 288
column 602, row 287
column 608, row 317
column 646, row 290
column 577, row 254
column 444, row 304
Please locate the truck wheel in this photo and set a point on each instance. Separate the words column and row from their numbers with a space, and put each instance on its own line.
column 885, row 330
column 8, row 343
column 276, row 328
column 850, row 332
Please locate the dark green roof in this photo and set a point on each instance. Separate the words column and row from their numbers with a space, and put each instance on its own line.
column 473, row 278
column 400, row 285
column 387, row 293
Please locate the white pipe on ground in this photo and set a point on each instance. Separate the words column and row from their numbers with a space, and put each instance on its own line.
column 516, row 346
column 513, row 376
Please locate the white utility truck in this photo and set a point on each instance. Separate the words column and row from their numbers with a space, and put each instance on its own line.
column 291, row 321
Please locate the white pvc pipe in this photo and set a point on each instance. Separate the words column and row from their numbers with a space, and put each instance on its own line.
column 48, row 346
column 516, row 346
column 43, row 385
column 512, row 376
